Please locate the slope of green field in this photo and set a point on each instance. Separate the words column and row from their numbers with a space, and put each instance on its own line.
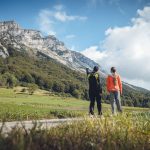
column 20, row 106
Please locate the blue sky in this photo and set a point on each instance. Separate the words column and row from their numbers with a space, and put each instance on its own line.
column 77, row 34
column 111, row 32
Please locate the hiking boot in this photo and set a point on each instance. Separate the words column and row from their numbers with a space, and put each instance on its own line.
column 100, row 113
column 100, row 116
column 91, row 115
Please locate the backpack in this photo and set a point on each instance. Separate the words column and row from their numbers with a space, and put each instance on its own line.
column 115, row 79
column 94, row 82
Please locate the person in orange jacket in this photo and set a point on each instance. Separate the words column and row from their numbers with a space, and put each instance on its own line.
column 114, row 89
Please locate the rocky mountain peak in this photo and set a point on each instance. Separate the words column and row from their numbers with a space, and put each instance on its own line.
column 33, row 41
column 8, row 25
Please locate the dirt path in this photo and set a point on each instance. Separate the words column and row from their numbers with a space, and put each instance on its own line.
column 43, row 123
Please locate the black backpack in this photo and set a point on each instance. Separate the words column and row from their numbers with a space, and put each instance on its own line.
column 94, row 82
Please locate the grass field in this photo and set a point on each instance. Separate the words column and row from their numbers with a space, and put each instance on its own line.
column 15, row 105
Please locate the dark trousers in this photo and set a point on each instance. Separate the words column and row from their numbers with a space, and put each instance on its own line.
column 95, row 96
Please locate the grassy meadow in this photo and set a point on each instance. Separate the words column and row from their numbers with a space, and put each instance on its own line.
column 15, row 105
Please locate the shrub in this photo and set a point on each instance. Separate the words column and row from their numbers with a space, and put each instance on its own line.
column 76, row 93
column 32, row 88
column 10, row 80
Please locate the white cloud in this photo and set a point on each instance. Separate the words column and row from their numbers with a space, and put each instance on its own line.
column 128, row 48
column 47, row 18
column 71, row 36
column 93, row 53
column 59, row 7
column 62, row 16
column 45, row 22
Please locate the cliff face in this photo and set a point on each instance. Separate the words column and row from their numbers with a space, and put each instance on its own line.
column 32, row 41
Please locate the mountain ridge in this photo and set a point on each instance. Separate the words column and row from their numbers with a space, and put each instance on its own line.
column 12, row 34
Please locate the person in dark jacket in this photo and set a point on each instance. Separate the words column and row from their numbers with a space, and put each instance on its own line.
column 95, row 90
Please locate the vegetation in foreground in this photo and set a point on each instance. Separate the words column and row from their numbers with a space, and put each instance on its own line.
column 15, row 105
column 123, row 132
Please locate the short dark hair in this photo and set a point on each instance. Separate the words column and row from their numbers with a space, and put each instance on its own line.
column 113, row 69
column 95, row 68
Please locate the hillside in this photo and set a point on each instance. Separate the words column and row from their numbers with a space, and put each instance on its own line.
column 21, row 69
column 48, row 74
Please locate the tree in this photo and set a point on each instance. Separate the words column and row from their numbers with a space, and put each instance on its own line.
column 85, row 94
column 1, row 81
column 10, row 80
column 129, row 103
column 40, row 82
column 58, row 87
column 27, row 78
column 31, row 88
column 136, row 103
column 76, row 93
column 72, row 87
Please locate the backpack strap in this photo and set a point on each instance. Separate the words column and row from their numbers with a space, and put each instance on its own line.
column 95, row 74
column 115, row 78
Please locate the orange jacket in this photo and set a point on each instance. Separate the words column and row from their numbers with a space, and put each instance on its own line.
column 114, row 83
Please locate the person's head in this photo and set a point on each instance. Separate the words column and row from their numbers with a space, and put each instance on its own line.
column 95, row 69
column 113, row 70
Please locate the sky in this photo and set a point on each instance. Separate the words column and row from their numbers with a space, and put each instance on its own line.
column 110, row 32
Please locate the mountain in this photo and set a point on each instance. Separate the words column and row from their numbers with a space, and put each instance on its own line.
column 33, row 42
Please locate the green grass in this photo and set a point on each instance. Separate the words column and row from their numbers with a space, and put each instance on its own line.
column 23, row 106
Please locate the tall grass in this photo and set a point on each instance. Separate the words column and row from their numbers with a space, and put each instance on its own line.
column 30, row 114
column 122, row 132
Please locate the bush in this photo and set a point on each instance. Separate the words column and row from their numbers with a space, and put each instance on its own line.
column 76, row 93
column 32, row 88
column 58, row 87
column 10, row 80
column 24, row 90
column 26, row 77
